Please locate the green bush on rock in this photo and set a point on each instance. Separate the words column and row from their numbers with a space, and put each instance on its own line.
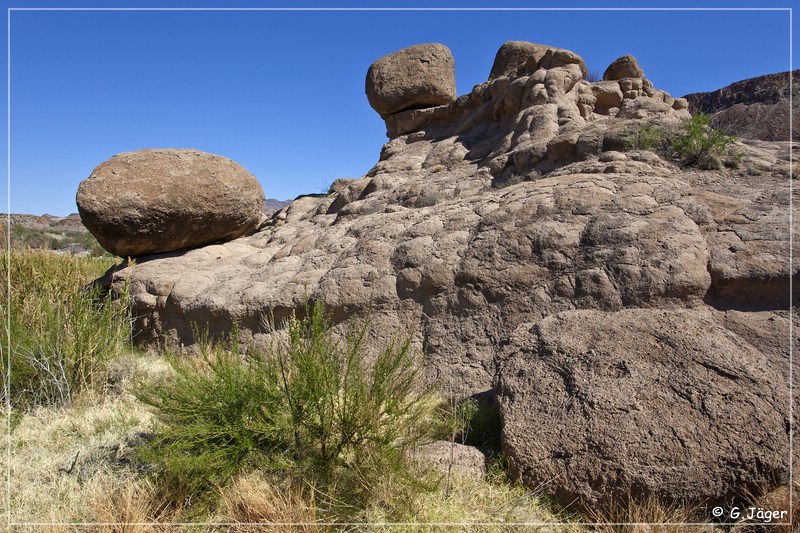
column 312, row 406
column 701, row 145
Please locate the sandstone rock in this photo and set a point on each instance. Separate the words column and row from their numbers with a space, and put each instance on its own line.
column 642, row 402
column 416, row 77
column 608, row 94
column 623, row 67
column 162, row 200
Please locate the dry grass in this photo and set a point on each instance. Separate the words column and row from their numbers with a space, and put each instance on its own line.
column 478, row 505
column 252, row 503
column 776, row 500
column 649, row 515
column 64, row 461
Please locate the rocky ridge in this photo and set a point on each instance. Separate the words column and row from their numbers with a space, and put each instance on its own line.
column 615, row 301
column 755, row 108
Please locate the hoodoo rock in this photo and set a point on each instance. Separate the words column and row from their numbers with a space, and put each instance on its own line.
column 630, row 314
column 162, row 200
column 419, row 76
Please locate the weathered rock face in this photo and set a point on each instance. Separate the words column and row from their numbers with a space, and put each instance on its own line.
column 643, row 401
column 419, row 76
column 756, row 108
column 162, row 200
column 523, row 199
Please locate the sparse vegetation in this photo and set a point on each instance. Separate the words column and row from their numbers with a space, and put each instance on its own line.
column 701, row 145
column 62, row 335
column 310, row 406
column 58, row 240
column 650, row 138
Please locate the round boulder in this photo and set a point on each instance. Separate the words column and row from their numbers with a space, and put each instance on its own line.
column 623, row 67
column 416, row 77
column 163, row 200
column 517, row 57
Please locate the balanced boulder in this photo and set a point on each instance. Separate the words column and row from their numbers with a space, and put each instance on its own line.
column 416, row 77
column 162, row 200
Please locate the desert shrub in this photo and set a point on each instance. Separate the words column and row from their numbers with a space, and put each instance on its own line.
column 310, row 406
column 61, row 334
column 650, row 138
column 701, row 145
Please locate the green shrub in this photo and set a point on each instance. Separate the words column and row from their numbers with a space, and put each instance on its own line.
column 61, row 335
column 310, row 406
column 650, row 138
column 700, row 144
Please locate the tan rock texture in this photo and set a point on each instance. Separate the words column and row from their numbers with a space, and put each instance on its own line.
column 419, row 76
column 163, row 200
column 539, row 251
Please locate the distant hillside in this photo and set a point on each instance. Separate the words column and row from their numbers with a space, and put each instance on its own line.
column 68, row 234
column 60, row 234
column 756, row 108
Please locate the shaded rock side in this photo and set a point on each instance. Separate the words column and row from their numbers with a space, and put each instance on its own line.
column 416, row 77
column 162, row 200
column 755, row 108
column 599, row 406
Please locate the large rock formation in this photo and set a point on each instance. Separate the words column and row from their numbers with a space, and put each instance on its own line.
column 510, row 227
column 163, row 200
column 755, row 108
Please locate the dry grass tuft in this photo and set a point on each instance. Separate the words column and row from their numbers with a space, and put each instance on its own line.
column 254, row 504
column 777, row 501
column 648, row 515
column 64, row 462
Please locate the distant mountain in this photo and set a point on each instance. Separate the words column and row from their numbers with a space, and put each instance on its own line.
column 755, row 108
column 272, row 205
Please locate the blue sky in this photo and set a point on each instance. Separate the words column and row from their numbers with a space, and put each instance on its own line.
column 282, row 92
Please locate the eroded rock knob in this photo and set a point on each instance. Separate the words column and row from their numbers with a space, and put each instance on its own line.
column 623, row 67
column 416, row 77
column 162, row 200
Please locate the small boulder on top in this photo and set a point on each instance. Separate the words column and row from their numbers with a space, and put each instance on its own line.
column 162, row 200
column 416, row 77
column 623, row 67
column 519, row 58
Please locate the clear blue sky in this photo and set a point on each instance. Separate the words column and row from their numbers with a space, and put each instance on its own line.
column 282, row 93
